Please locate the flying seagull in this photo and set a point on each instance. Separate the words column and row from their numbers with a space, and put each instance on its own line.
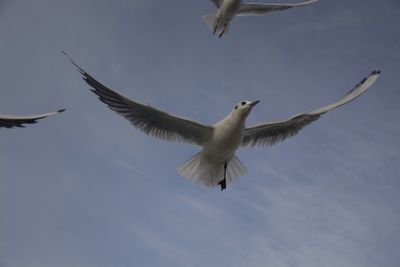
column 216, row 163
column 228, row 9
column 8, row 121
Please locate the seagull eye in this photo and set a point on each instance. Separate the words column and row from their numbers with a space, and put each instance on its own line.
column 236, row 107
column 243, row 103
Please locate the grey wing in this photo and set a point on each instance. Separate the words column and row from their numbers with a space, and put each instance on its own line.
column 7, row 121
column 150, row 120
column 271, row 133
column 259, row 9
column 217, row 3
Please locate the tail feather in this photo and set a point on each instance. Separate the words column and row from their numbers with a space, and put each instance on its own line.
column 235, row 169
column 199, row 170
column 210, row 20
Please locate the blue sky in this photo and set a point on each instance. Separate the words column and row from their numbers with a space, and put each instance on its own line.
column 86, row 189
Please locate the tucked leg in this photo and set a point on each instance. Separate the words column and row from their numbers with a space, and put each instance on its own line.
column 223, row 31
column 222, row 183
column 216, row 26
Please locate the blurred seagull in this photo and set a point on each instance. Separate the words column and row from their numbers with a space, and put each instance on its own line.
column 228, row 9
column 7, row 121
column 216, row 164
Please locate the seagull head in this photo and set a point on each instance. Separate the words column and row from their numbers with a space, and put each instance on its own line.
column 242, row 109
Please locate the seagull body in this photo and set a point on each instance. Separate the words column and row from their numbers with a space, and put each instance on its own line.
column 228, row 9
column 216, row 164
column 8, row 121
column 219, row 21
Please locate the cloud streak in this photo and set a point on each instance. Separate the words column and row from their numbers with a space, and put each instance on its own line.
column 87, row 189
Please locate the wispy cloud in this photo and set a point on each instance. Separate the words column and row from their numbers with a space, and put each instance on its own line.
column 87, row 189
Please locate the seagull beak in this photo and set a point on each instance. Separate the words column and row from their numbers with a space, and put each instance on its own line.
column 252, row 104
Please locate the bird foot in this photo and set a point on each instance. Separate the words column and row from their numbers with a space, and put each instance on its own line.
column 215, row 26
column 222, row 183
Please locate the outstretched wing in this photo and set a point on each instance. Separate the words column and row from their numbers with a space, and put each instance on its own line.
column 259, row 9
column 7, row 121
column 271, row 133
column 150, row 120
column 217, row 3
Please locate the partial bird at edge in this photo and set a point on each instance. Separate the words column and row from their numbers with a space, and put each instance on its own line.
column 11, row 121
column 219, row 21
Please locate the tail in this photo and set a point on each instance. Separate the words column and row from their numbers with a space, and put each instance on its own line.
column 210, row 20
column 199, row 170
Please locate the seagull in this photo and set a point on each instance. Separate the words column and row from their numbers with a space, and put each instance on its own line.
column 219, row 21
column 216, row 164
column 9, row 121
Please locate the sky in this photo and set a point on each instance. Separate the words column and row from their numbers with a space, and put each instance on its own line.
column 85, row 188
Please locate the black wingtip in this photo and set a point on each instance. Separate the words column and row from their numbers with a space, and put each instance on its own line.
column 81, row 71
column 376, row 72
column 61, row 110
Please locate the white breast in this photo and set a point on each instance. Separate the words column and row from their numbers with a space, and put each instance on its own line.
column 227, row 136
column 228, row 9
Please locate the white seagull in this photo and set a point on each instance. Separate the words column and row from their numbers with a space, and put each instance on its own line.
column 9, row 121
column 228, row 9
column 216, row 163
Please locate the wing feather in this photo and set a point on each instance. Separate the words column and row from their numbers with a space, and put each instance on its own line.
column 150, row 120
column 259, row 9
column 268, row 134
